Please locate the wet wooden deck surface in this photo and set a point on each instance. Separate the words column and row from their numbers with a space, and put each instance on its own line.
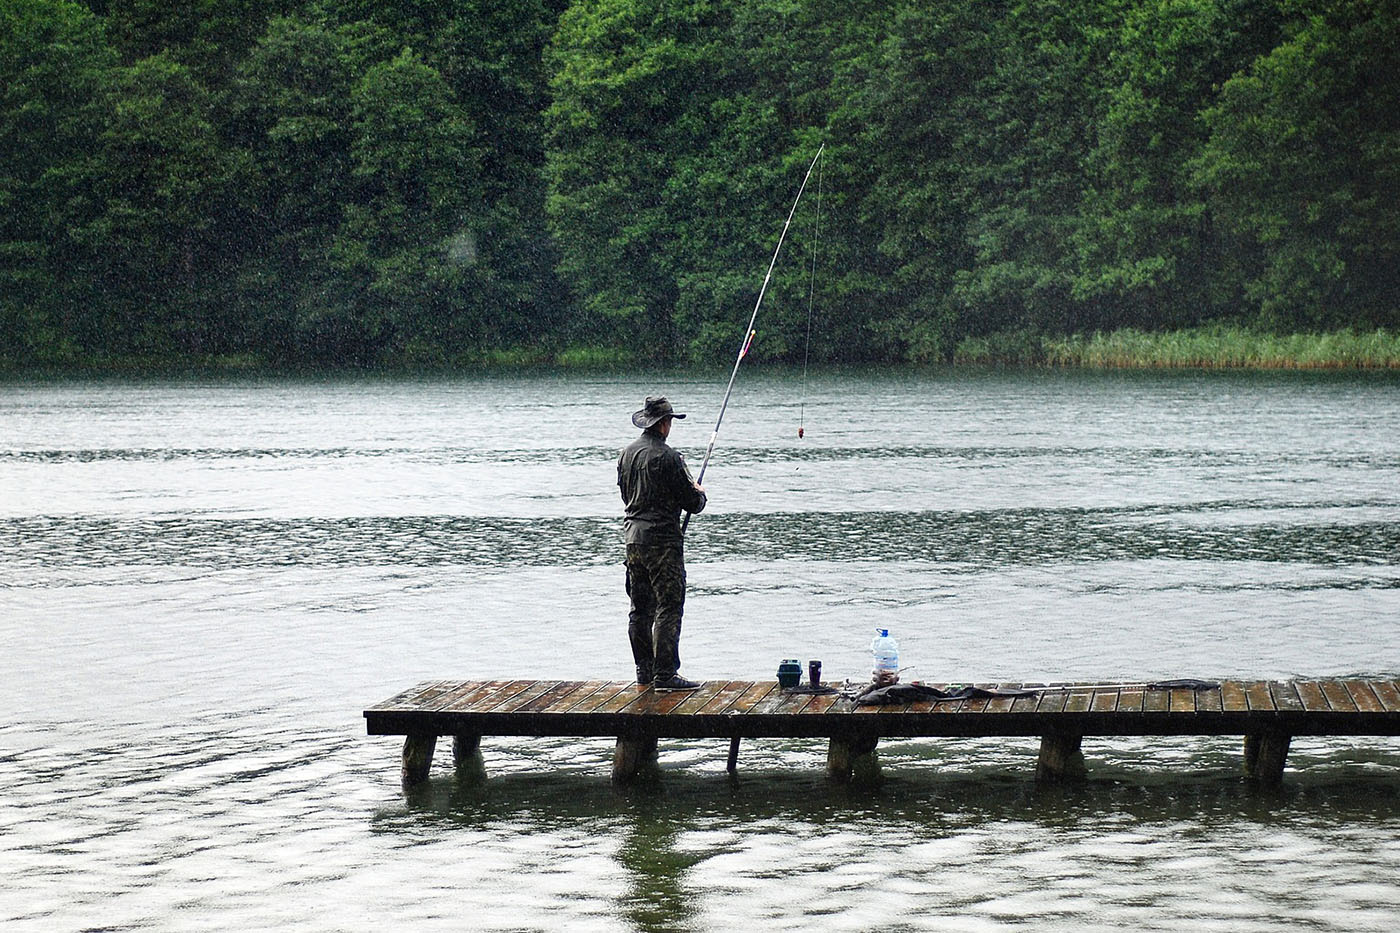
column 742, row 708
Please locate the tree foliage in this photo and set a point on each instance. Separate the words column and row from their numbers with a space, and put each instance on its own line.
column 354, row 183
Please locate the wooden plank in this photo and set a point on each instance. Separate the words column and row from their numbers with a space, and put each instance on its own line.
column 433, row 699
column 1311, row 695
column 1285, row 696
column 752, row 697
column 537, row 689
column 776, row 700
column 1232, row 697
column 557, row 694
column 1208, row 701
column 1388, row 693
column 1079, row 701
column 1027, row 704
column 1183, row 700
column 977, row 704
column 946, row 707
column 623, row 699
column 1256, row 692
column 793, row 703
column 654, row 703
column 725, row 698
column 1156, row 701
column 698, row 698
column 1052, row 701
column 822, row 704
column 464, row 694
column 1130, row 700
column 1337, row 696
column 1364, row 698
column 1105, row 701
column 606, row 694
column 585, row 690
column 408, row 699
column 1003, row 704
column 489, row 699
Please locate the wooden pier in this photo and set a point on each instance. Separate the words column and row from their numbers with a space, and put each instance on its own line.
column 1266, row 714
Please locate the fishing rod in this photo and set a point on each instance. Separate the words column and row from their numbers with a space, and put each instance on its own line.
column 749, row 332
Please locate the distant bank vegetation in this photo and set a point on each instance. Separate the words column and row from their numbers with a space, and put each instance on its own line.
column 1212, row 347
column 280, row 183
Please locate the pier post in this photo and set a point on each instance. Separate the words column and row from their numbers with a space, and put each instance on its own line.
column 852, row 759
column 466, row 755
column 1061, row 759
column 634, row 756
column 1265, row 754
column 417, row 758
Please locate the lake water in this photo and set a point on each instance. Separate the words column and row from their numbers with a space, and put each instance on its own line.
column 203, row 584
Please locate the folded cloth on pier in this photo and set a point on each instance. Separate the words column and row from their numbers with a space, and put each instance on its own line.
column 912, row 693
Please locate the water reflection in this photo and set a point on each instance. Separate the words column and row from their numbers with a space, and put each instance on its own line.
column 983, row 845
column 657, row 898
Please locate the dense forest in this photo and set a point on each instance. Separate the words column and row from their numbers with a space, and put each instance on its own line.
column 440, row 182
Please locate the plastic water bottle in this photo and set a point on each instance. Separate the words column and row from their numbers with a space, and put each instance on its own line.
column 886, row 653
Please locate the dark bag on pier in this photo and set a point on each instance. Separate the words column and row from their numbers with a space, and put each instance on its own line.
column 912, row 693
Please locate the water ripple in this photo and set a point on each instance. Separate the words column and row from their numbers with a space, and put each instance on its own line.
column 737, row 454
column 1005, row 537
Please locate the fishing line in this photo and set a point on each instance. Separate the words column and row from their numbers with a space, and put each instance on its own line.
column 749, row 332
column 811, row 298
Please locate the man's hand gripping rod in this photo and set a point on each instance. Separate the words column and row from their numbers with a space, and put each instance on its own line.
column 749, row 332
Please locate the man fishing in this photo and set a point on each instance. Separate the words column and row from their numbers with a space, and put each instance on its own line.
column 656, row 487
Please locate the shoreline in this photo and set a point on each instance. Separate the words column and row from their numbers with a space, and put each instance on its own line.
column 1208, row 347
column 1201, row 348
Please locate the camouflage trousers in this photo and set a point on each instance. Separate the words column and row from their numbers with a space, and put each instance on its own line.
column 656, row 585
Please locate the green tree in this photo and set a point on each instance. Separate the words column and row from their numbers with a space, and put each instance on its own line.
column 1148, row 253
column 491, row 54
column 208, row 36
column 631, row 85
column 414, row 173
column 292, row 113
column 903, row 166
column 1301, row 168
column 158, row 179
column 54, row 62
column 1023, row 144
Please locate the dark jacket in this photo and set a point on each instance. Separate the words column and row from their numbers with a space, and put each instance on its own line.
column 655, row 487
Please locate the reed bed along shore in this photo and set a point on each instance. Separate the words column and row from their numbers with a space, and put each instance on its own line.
column 1196, row 348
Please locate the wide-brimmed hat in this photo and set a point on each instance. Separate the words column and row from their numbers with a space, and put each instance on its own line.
column 656, row 408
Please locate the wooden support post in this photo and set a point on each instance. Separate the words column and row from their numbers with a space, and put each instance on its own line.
column 634, row 756
column 1265, row 754
column 417, row 758
column 466, row 755
column 1060, row 758
column 733, row 764
column 853, row 759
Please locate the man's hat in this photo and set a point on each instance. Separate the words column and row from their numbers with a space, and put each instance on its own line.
column 656, row 408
